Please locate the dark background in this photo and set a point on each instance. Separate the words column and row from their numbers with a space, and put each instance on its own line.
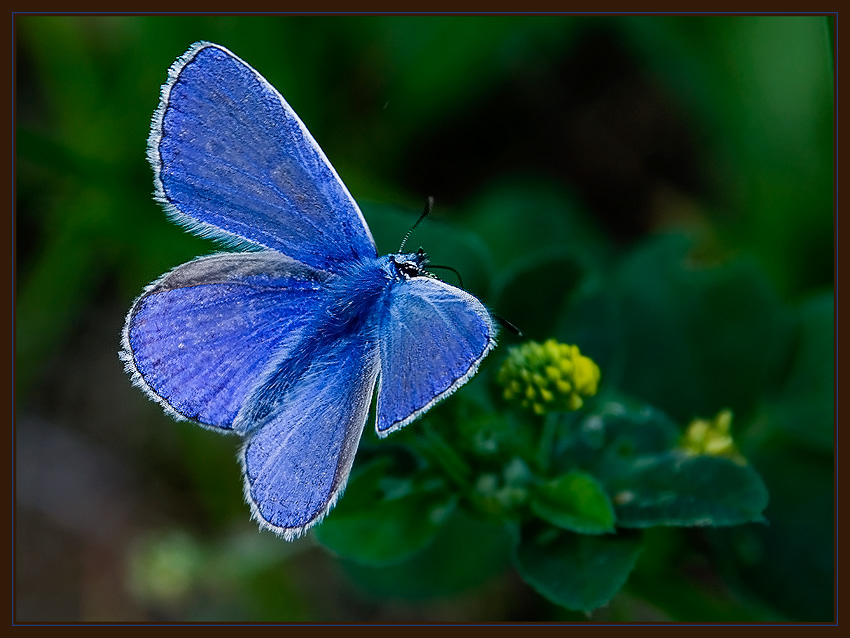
column 534, row 135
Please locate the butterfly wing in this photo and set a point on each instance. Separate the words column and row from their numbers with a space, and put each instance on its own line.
column 231, row 341
column 200, row 338
column 232, row 160
column 432, row 339
column 298, row 457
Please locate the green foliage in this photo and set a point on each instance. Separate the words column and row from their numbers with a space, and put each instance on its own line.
column 653, row 482
column 803, row 408
column 663, row 309
column 674, row 489
column 465, row 554
column 656, row 191
column 580, row 572
column 386, row 519
column 574, row 501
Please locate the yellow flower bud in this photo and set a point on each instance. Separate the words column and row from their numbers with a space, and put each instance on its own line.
column 548, row 377
column 711, row 437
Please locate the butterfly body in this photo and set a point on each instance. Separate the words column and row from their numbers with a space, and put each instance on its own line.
column 286, row 344
column 352, row 304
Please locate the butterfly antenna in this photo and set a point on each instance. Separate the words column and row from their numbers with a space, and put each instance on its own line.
column 457, row 274
column 507, row 324
column 428, row 204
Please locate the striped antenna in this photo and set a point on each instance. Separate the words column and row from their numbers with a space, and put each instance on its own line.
column 428, row 204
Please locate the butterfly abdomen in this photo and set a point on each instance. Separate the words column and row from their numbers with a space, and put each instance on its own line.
column 350, row 307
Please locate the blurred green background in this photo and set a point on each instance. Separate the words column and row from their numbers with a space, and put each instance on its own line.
column 657, row 190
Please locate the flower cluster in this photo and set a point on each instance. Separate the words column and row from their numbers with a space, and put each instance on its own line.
column 711, row 437
column 548, row 377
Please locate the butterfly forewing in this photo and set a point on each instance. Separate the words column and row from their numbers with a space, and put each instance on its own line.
column 232, row 160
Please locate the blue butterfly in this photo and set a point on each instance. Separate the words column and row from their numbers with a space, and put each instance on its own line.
column 285, row 344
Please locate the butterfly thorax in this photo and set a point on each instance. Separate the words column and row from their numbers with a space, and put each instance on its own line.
column 356, row 295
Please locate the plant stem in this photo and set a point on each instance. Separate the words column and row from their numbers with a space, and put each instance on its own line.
column 547, row 441
column 445, row 456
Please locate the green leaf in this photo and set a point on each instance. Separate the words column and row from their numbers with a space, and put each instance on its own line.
column 466, row 553
column 574, row 501
column 574, row 570
column 675, row 489
column 631, row 450
column 532, row 296
column 591, row 318
column 386, row 519
column 561, row 225
column 615, row 431
column 693, row 337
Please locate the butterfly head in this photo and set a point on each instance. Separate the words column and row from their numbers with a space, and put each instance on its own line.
column 409, row 265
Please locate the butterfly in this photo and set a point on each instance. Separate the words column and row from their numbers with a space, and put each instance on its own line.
column 285, row 343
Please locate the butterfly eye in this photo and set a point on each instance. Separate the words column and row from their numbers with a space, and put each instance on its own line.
column 409, row 268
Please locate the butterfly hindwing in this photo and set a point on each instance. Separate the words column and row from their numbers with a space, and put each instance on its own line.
column 432, row 338
column 232, row 160
column 201, row 337
column 297, row 460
